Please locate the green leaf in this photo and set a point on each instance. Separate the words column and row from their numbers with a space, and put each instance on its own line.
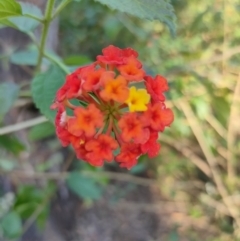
column 44, row 87
column 55, row 160
column 139, row 168
column 9, row 8
column 77, row 60
column 8, row 95
column 24, row 23
column 152, row 9
column 6, row 23
column 201, row 106
column 11, row 144
column 84, row 187
column 31, row 9
column 11, row 225
column 27, row 20
column 25, row 57
column 41, row 131
column 7, row 165
column 173, row 236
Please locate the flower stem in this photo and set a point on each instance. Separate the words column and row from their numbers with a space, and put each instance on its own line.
column 110, row 126
column 46, row 23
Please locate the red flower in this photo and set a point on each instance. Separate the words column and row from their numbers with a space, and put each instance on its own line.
column 81, row 152
column 111, row 55
column 158, row 116
column 61, row 122
column 128, row 155
column 107, row 111
column 132, row 70
column 71, row 88
column 92, row 78
column 156, row 87
column 100, row 149
column 151, row 147
column 133, row 129
column 128, row 52
column 85, row 121
column 115, row 56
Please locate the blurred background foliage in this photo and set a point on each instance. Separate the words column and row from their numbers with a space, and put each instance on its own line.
column 202, row 146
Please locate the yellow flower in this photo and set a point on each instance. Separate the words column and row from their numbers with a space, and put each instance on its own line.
column 138, row 99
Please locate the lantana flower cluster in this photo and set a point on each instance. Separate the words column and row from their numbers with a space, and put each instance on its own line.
column 104, row 114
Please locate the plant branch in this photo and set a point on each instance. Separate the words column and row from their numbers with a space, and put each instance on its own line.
column 33, row 17
column 46, row 24
column 22, row 125
column 186, row 151
column 57, row 62
column 231, row 130
column 196, row 128
column 96, row 175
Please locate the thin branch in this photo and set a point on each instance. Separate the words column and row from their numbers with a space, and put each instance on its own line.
column 46, row 24
column 186, row 151
column 217, row 126
column 216, row 58
column 63, row 175
column 231, row 135
column 22, row 125
column 198, row 132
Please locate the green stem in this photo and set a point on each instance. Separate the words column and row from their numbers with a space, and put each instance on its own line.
column 46, row 24
column 57, row 62
column 33, row 17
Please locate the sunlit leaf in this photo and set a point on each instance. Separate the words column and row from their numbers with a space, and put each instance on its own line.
column 9, row 8
column 152, row 9
column 24, row 23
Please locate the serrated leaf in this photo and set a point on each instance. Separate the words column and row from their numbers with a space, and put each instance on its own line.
column 84, row 187
column 41, row 131
column 44, row 87
column 152, row 9
column 24, row 23
column 9, row 8
column 8, row 95
column 11, row 225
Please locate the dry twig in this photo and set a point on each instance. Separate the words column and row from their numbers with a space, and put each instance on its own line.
column 22, row 125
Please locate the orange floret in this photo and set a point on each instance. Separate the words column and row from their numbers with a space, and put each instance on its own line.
column 100, row 149
column 133, row 129
column 85, row 121
column 91, row 79
column 114, row 89
column 132, row 70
